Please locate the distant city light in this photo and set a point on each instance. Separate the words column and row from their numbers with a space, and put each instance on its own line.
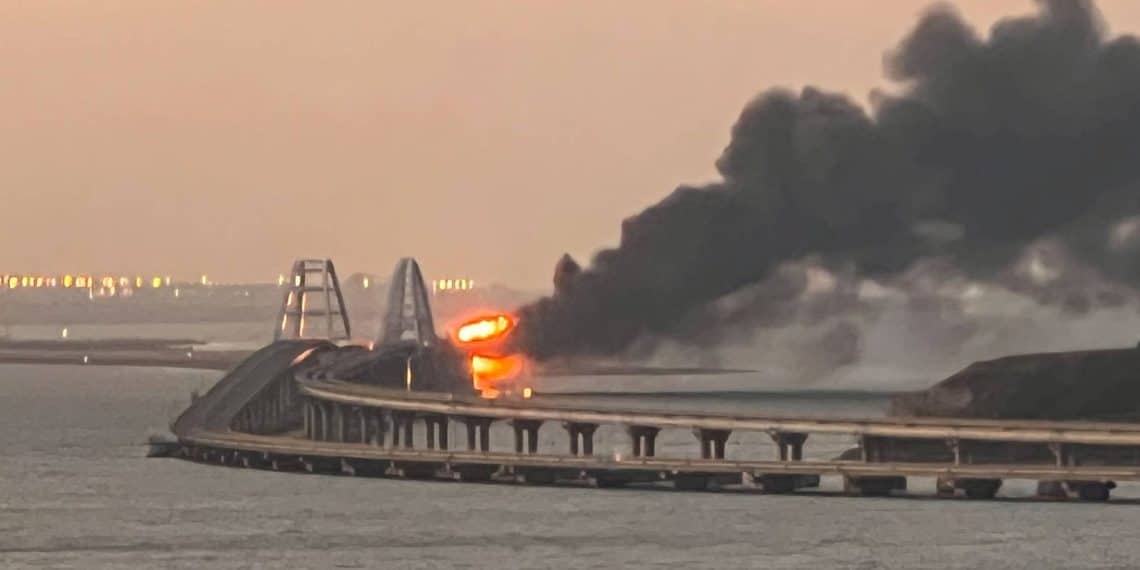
column 366, row 283
column 452, row 285
column 104, row 285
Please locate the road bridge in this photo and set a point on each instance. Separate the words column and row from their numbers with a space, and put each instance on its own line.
column 306, row 402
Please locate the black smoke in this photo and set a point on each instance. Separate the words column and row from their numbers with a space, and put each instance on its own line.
column 992, row 147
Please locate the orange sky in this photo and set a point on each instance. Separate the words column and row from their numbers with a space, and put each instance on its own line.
column 484, row 138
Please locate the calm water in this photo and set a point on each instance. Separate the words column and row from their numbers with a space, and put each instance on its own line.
column 76, row 492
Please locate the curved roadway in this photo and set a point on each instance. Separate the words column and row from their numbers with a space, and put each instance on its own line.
column 214, row 410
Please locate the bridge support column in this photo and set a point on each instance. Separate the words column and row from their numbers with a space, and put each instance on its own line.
column 325, row 422
column 270, row 414
column 306, row 420
column 403, row 422
column 375, row 421
column 526, row 435
column 314, row 419
column 872, row 449
column 478, row 433
column 436, row 427
column 790, row 445
column 644, row 440
column 583, row 432
column 363, row 426
column 712, row 442
column 1064, row 454
column 338, row 423
column 350, row 421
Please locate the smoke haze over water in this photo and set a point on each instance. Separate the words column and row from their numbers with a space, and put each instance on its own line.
column 1005, row 165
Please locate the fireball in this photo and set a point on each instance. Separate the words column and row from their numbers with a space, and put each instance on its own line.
column 484, row 329
column 490, row 370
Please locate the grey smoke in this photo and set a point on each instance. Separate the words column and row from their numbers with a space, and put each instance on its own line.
column 998, row 149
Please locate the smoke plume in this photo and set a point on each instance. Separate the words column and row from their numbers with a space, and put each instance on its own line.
column 1011, row 160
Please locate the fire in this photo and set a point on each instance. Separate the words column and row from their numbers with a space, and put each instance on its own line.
column 484, row 329
column 495, row 368
column 489, row 372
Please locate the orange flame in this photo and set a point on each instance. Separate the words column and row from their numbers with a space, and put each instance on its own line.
column 487, row 372
column 491, row 372
column 484, row 328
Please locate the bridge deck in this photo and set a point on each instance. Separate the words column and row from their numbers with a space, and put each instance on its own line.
column 1088, row 433
column 297, row 447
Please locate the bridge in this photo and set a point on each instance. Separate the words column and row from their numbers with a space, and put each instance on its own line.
column 317, row 404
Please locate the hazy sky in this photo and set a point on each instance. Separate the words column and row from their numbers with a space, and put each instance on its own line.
column 484, row 138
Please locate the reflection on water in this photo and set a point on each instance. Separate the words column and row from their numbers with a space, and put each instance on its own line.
column 77, row 492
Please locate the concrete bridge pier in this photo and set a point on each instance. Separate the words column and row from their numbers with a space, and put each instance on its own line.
column 307, row 419
column 526, row 435
column 581, row 438
column 478, row 433
column 318, row 421
column 644, row 440
column 363, row 427
column 326, row 422
column 352, row 420
column 338, row 420
column 403, row 423
column 377, row 427
column 712, row 442
column 790, row 445
column 436, row 428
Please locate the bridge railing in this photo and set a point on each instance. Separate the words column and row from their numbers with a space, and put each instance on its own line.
column 350, row 413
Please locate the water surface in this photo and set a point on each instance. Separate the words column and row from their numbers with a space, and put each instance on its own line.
column 76, row 492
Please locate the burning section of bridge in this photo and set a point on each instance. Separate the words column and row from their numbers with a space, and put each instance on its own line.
column 494, row 370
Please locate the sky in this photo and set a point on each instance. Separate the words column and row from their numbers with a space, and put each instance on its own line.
column 484, row 138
